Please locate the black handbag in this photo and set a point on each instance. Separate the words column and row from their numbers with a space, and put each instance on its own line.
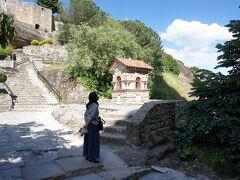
column 100, row 123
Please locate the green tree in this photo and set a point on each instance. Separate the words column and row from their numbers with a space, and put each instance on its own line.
column 170, row 64
column 214, row 119
column 83, row 12
column 7, row 30
column 80, row 12
column 148, row 39
column 194, row 69
column 150, row 42
column 93, row 50
column 54, row 5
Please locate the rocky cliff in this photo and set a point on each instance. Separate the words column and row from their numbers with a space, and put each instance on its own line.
column 25, row 34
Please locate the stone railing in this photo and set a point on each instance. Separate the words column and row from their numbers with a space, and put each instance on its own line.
column 154, row 118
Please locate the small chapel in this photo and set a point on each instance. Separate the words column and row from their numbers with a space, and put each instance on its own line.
column 130, row 81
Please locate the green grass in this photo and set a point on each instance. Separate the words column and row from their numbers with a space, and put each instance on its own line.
column 54, row 66
column 178, row 85
column 1, row 94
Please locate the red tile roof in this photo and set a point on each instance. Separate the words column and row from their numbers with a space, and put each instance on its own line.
column 134, row 63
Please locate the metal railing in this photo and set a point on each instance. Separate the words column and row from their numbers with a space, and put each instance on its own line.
column 49, row 85
column 12, row 95
column 19, row 63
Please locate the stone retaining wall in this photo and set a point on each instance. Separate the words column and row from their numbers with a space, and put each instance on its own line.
column 6, row 64
column 47, row 52
column 152, row 119
column 71, row 92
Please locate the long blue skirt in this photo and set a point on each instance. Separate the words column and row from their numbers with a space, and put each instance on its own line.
column 91, row 147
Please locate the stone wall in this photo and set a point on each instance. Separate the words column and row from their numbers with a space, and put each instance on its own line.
column 129, row 78
column 152, row 119
column 130, row 97
column 70, row 115
column 28, row 13
column 6, row 64
column 47, row 52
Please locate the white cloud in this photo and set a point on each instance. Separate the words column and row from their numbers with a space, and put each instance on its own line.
column 195, row 41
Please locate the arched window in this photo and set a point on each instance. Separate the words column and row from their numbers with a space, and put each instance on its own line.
column 138, row 83
column 119, row 83
column 37, row 26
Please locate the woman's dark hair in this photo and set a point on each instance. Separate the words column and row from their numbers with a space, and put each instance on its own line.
column 93, row 98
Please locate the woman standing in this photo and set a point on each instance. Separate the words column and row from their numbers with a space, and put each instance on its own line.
column 91, row 147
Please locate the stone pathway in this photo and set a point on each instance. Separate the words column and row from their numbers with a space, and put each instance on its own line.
column 34, row 146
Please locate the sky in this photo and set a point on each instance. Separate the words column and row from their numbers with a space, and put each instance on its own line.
column 189, row 29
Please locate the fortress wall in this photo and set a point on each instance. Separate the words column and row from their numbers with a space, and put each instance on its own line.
column 43, row 17
column 28, row 13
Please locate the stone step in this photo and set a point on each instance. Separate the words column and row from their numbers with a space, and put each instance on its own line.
column 91, row 176
column 32, row 106
column 161, row 151
column 29, row 96
column 25, row 94
column 26, row 91
column 116, row 115
column 117, row 122
column 31, row 109
column 32, row 103
column 34, row 100
column 121, row 130
column 4, row 108
column 31, row 99
column 60, row 169
column 112, row 138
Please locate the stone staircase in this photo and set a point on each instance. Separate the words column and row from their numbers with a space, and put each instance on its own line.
column 162, row 150
column 32, row 95
column 114, row 131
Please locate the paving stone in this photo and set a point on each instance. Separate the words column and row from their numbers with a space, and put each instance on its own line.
column 12, row 163
column 91, row 176
column 50, row 156
column 10, row 173
column 41, row 171
column 70, row 152
column 78, row 166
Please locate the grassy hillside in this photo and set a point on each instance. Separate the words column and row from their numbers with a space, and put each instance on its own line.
column 175, row 88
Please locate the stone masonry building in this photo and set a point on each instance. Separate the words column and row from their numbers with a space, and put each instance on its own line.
column 130, row 80
column 37, row 16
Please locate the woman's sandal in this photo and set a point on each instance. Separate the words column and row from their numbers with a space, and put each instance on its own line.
column 96, row 161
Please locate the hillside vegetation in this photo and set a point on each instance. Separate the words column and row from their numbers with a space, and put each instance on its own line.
column 213, row 120
column 94, row 41
column 175, row 88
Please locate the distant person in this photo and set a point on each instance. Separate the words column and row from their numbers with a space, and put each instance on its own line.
column 91, row 147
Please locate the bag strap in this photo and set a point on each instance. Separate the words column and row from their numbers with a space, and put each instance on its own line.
column 101, row 119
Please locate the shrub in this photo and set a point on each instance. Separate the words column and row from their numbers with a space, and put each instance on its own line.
column 194, row 69
column 3, row 77
column 35, row 42
column 6, row 51
column 49, row 41
column 46, row 41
